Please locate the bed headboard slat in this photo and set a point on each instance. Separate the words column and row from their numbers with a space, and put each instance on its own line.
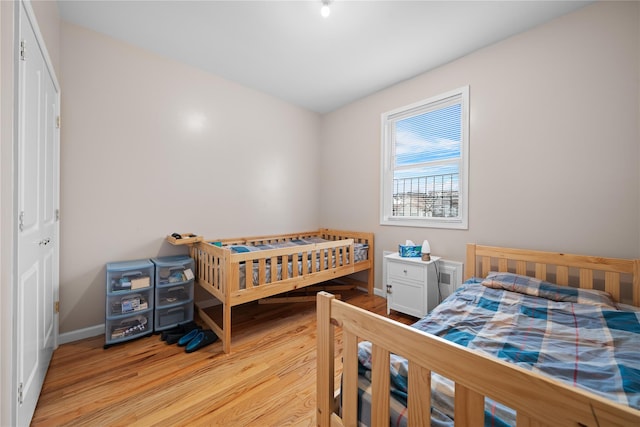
column 586, row 278
column 562, row 275
column 486, row 265
column 521, row 267
column 612, row 284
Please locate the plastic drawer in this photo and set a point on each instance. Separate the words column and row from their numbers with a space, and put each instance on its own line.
column 127, row 303
column 126, row 328
column 172, row 316
column 174, row 295
column 173, row 270
column 129, row 275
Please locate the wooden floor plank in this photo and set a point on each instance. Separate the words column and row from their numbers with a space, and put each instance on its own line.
column 268, row 379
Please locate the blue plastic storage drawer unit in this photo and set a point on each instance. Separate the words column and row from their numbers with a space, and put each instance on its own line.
column 174, row 277
column 130, row 300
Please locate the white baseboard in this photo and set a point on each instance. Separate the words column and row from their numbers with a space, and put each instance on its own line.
column 80, row 334
column 376, row 291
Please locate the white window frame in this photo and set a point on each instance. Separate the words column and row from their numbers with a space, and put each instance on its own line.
column 387, row 163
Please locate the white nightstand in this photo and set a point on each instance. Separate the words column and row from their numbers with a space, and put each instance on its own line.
column 411, row 284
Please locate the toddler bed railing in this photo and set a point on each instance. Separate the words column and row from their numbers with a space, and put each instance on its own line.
column 288, row 263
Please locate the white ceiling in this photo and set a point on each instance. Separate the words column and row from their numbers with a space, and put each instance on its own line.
column 285, row 48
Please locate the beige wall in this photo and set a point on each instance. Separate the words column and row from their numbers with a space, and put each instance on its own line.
column 48, row 18
column 554, row 142
column 135, row 168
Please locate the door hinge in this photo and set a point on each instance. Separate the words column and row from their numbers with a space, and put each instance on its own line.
column 56, row 307
column 58, row 122
column 23, row 50
column 21, row 221
column 57, row 214
column 20, row 387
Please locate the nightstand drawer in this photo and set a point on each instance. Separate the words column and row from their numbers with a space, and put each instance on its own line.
column 406, row 271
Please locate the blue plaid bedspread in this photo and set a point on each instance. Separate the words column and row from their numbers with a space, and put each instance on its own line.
column 587, row 344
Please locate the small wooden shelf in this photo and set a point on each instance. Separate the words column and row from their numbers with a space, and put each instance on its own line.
column 187, row 239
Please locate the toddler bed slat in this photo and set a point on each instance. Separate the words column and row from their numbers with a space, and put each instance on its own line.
column 285, row 271
column 262, row 269
column 305, row 268
column 296, row 269
column 313, row 258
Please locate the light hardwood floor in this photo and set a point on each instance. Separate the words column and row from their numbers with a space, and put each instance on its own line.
column 268, row 379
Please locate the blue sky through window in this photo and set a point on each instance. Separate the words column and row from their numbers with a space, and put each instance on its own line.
column 427, row 137
column 434, row 135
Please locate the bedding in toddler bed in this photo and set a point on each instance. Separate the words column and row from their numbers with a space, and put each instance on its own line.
column 578, row 337
column 360, row 254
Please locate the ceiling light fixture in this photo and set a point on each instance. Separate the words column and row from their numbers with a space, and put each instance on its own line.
column 325, row 11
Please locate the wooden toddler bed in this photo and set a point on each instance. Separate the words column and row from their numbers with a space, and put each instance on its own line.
column 237, row 271
column 537, row 399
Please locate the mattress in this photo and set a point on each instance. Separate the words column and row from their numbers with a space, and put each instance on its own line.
column 579, row 337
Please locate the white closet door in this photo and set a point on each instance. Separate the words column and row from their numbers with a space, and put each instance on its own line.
column 37, row 235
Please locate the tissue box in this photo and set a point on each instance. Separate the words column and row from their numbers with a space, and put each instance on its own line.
column 409, row 251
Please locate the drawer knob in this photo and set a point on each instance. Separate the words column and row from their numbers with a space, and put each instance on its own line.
column 405, row 271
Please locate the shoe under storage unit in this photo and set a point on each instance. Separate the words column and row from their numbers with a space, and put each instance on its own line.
column 129, row 310
column 174, row 291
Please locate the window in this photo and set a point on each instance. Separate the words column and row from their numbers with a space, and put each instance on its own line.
column 425, row 163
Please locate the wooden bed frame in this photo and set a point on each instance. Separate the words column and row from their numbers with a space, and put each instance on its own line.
column 218, row 270
column 538, row 400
